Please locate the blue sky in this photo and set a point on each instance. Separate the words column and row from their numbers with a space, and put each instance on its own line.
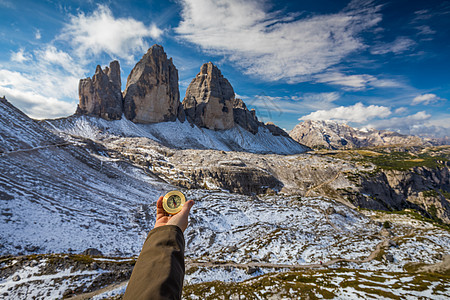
column 380, row 64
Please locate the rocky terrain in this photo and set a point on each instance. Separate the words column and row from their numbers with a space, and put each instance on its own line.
column 271, row 219
column 333, row 135
column 381, row 178
column 78, row 198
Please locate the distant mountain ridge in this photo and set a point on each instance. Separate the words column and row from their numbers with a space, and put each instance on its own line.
column 335, row 135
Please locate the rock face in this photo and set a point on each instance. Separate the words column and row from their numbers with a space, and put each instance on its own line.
column 275, row 130
column 245, row 118
column 151, row 94
column 209, row 99
column 101, row 96
column 333, row 135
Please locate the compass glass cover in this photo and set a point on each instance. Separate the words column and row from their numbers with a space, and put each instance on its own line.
column 174, row 201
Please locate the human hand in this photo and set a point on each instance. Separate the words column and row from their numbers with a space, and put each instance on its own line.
column 180, row 219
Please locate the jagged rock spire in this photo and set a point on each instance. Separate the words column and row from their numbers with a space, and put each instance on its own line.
column 209, row 99
column 101, row 96
column 151, row 94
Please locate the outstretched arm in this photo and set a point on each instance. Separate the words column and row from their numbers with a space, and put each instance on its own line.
column 159, row 270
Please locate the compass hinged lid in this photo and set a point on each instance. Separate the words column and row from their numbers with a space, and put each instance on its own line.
column 173, row 202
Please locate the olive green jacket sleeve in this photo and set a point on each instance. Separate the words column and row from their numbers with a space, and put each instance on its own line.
column 159, row 270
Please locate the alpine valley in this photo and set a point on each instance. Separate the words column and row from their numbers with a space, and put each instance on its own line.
column 325, row 211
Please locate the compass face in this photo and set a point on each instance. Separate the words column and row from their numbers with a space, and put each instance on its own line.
column 174, row 201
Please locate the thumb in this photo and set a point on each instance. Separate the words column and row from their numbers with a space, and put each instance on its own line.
column 184, row 213
column 187, row 207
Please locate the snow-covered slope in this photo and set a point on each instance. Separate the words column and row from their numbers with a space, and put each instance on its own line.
column 17, row 131
column 180, row 135
column 55, row 196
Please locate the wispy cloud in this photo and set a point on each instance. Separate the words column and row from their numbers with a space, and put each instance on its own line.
column 425, row 30
column 275, row 47
column 290, row 104
column 317, row 100
column 7, row 4
column 399, row 45
column 427, row 99
column 354, row 82
column 100, row 32
column 358, row 113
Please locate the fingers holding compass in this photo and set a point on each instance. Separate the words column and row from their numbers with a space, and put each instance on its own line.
column 172, row 209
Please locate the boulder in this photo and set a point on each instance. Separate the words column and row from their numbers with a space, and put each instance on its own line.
column 101, row 95
column 209, row 99
column 151, row 94
column 389, row 257
column 92, row 252
column 330, row 210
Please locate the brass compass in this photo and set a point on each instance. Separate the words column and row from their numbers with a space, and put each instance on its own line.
column 173, row 202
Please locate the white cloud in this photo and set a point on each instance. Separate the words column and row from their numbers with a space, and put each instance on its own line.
column 36, row 105
column 400, row 110
column 354, row 82
column 100, row 32
column 50, row 55
column 273, row 47
column 357, row 113
column 20, row 56
column 45, row 84
column 37, row 34
column 401, row 124
column 426, row 99
column 400, row 45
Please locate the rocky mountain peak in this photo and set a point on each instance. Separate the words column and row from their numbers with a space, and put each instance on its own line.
column 151, row 94
column 209, row 99
column 101, row 95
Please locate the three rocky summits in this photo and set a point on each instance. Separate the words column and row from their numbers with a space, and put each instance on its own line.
column 152, row 95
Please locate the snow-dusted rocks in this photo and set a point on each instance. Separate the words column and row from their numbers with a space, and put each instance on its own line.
column 209, row 99
column 101, row 96
column 152, row 94
column 180, row 135
column 334, row 135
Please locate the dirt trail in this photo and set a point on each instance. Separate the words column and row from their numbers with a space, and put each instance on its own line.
column 322, row 184
column 34, row 148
